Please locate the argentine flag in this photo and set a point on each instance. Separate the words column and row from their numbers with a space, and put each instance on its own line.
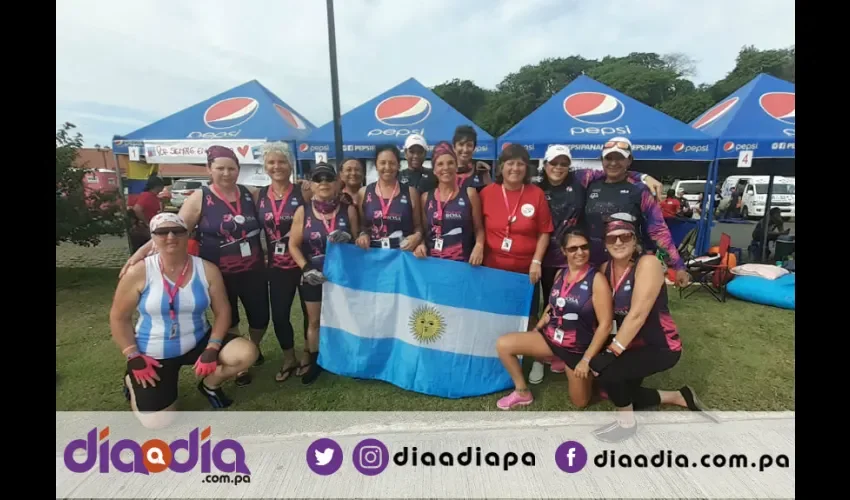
column 425, row 325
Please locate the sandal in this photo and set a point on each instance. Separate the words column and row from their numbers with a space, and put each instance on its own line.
column 313, row 370
column 285, row 373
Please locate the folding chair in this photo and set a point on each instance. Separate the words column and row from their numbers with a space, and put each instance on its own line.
column 710, row 273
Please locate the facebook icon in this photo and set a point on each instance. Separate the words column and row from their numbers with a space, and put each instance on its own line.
column 571, row 457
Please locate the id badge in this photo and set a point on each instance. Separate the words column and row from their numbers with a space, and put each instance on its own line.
column 506, row 244
column 280, row 249
column 559, row 335
column 245, row 248
column 438, row 244
column 385, row 242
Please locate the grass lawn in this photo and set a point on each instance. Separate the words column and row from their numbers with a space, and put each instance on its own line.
column 738, row 356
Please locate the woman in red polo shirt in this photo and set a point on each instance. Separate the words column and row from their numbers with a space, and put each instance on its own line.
column 517, row 220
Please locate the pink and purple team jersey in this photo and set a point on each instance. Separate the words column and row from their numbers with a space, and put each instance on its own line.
column 659, row 330
column 223, row 237
column 277, row 231
column 572, row 312
column 315, row 235
column 455, row 227
column 398, row 223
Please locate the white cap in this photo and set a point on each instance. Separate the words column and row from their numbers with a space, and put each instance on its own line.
column 556, row 150
column 415, row 140
column 618, row 148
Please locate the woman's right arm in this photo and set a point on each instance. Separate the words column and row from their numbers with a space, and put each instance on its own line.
column 364, row 238
column 190, row 212
column 124, row 302
column 296, row 237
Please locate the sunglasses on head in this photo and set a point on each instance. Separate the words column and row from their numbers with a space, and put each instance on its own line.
column 617, row 144
column 625, row 238
column 176, row 231
column 576, row 248
column 324, row 178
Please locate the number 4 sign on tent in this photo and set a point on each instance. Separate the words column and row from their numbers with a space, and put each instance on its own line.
column 745, row 159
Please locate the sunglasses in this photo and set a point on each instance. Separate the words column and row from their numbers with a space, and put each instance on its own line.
column 176, row 231
column 324, row 178
column 576, row 248
column 617, row 144
column 624, row 238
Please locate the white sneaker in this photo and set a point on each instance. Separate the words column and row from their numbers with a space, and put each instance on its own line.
column 536, row 375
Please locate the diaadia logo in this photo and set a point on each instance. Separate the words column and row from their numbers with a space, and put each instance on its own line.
column 154, row 455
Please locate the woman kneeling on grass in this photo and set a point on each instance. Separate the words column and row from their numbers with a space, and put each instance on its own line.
column 172, row 292
column 646, row 340
column 574, row 326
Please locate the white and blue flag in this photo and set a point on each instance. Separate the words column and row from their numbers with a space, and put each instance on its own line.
column 425, row 325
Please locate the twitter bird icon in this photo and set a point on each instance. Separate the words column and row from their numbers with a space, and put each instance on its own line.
column 324, row 456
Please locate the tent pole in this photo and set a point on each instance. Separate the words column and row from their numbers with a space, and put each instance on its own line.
column 123, row 200
column 334, row 84
column 766, row 219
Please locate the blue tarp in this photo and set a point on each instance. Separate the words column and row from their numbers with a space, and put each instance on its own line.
column 249, row 111
column 759, row 117
column 408, row 108
column 586, row 113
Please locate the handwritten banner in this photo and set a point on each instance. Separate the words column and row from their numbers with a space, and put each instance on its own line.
column 187, row 151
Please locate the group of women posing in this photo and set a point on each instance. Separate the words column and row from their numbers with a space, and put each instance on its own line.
column 509, row 224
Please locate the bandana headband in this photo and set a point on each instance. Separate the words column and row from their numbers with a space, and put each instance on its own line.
column 163, row 217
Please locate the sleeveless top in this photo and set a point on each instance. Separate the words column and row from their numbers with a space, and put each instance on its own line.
column 471, row 179
column 456, row 229
column 399, row 221
column 155, row 335
column 659, row 330
column 566, row 203
column 277, row 231
column 315, row 234
column 222, row 237
column 605, row 199
column 572, row 311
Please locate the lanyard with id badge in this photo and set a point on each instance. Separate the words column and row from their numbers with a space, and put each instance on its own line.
column 279, row 246
column 244, row 246
column 438, row 219
column 615, row 288
column 330, row 224
column 385, row 208
column 561, row 302
column 507, row 242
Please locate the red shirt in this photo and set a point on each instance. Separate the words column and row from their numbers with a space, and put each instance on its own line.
column 150, row 205
column 533, row 218
column 670, row 207
column 194, row 247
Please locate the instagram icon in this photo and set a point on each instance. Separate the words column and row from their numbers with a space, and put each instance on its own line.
column 371, row 457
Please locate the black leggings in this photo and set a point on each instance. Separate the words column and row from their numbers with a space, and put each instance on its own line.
column 622, row 379
column 252, row 289
column 282, row 286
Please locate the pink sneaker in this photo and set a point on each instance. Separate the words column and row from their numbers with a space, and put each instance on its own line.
column 558, row 366
column 515, row 399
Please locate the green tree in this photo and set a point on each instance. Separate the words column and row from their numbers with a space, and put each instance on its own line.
column 463, row 95
column 81, row 217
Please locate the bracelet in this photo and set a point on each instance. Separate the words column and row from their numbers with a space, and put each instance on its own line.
column 132, row 347
column 133, row 355
column 618, row 344
column 643, row 178
column 585, row 359
column 535, row 261
column 364, row 233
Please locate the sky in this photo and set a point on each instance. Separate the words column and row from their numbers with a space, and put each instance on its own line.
column 121, row 65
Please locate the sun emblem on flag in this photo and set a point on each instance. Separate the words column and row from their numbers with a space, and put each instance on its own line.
column 427, row 324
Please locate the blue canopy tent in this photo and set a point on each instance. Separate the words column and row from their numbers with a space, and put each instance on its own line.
column 239, row 118
column 408, row 108
column 758, row 117
column 586, row 113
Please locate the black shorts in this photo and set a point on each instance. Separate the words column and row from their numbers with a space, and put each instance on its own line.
column 571, row 359
column 311, row 293
column 252, row 289
column 152, row 399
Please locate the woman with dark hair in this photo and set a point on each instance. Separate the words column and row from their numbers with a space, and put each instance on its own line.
column 565, row 192
column 452, row 216
column 647, row 340
column 146, row 205
column 389, row 210
column 228, row 226
column 470, row 173
column 517, row 220
column 574, row 326
column 325, row 218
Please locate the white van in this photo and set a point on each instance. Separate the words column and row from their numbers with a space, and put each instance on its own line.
column 692, row 188
column 755, row 194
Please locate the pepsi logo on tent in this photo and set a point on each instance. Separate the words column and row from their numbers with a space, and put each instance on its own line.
column 230, row 113
column 594, row 108
column 715, row 113
column 681, row 147
column 403, row 110
column 779, row 105
column 290, row 117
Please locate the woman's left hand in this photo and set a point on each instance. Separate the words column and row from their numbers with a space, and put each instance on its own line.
column 207, row 362
column 534, row 273
column 654, row 186
column 582, row 370
column 477, row 255
column 411, row 242
column 683, row 279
